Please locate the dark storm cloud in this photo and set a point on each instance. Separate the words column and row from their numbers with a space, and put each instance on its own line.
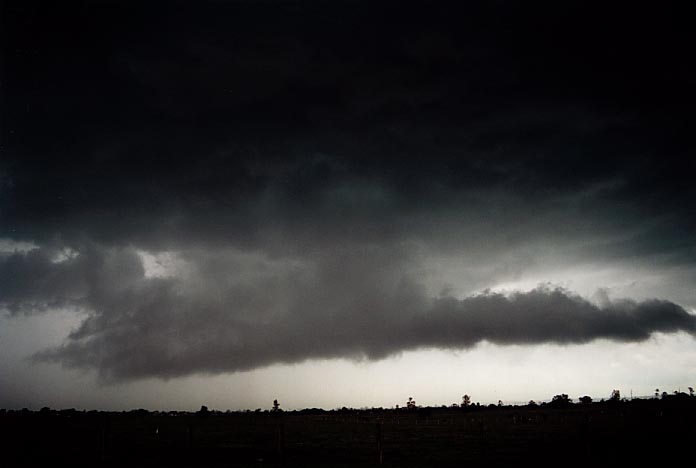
column 168, row 123
column 240, row 311
column 36, row 281
column 306, row 161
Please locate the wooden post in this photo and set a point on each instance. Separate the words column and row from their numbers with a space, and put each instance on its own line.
column 379, row 442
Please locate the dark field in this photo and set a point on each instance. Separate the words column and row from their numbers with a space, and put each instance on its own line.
column 623, row 433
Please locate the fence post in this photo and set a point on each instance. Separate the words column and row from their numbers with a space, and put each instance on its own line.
column 379, row 442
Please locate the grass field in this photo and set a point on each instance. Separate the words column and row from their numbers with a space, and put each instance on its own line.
column 623, row 433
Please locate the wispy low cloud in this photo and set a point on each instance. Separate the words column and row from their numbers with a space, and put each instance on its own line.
column 235, row 311
column 33, row 280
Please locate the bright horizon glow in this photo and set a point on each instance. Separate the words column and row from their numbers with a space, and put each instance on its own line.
column 487, row 372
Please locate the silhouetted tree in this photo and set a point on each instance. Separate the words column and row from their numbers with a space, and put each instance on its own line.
column 411, row 403
column 657, row 393
column 560, row 400
column 276, row 406
column 615, row 395
column 466, row 401
column 691, row 391
column 585, row 400
column 140, row 412
column 203, row 411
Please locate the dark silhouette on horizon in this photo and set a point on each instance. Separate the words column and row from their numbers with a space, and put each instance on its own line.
column 585, row 433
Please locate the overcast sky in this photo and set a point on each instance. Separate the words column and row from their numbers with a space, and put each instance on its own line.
column 344, row 203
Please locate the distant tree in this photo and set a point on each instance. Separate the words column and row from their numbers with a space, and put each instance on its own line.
column 276, row 406
column 691, row 391
column 500, row 402
column 203, row 411
column 532, row 403
column 585, row 400
column 466, row 401
column 664, row 395
column 560, row 400
column 411, row 403
column 141, row 412
column 615, row 395
column 657, row 393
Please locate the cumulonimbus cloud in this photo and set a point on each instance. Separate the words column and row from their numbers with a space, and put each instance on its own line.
column 236, row 311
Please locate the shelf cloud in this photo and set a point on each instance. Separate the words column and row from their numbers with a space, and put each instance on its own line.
column 232, row 311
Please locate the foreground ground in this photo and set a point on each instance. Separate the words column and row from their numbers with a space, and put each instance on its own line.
column 623, row 433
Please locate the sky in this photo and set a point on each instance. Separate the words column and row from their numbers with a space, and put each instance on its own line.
column 344, row 203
